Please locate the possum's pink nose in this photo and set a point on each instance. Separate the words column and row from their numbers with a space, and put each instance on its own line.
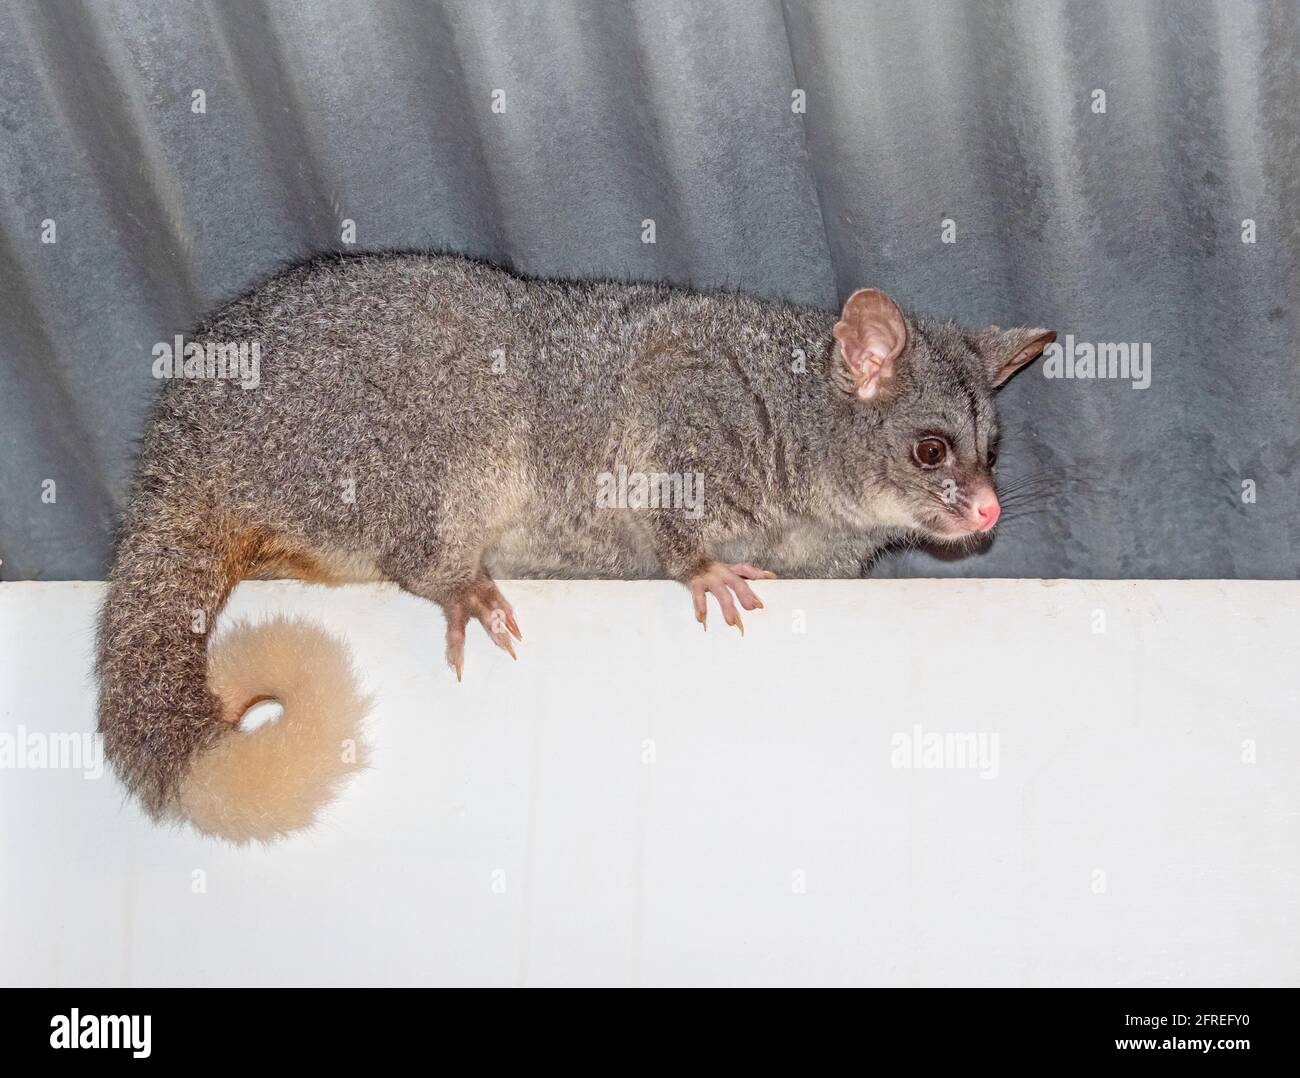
column 985, row 510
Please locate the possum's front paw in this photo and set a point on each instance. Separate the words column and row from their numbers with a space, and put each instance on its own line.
column 482, row 601
column 722, row 580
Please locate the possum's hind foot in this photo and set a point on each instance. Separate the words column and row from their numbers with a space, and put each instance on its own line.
column 721, row 581
column 482, row 600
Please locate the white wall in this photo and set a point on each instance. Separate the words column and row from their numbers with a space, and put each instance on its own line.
column 1120, row 752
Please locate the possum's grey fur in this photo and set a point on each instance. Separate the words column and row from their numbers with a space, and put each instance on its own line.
column 428, row 418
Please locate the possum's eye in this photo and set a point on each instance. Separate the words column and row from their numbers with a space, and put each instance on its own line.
column 930, row 452
column 993, row 457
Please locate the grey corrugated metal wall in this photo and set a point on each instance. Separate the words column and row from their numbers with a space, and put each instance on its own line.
column 1117, row 226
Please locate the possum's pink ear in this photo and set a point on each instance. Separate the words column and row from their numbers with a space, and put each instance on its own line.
column 1005, row 351
column 872, row 334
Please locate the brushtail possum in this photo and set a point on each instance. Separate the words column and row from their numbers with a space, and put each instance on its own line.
column 438, row 422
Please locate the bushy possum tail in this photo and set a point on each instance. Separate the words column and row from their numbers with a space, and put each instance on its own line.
column 169, row 707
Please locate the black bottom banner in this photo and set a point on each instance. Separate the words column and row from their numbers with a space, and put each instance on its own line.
column 1230, row 1027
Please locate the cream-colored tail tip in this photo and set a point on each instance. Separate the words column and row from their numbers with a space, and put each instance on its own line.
column 267, row 783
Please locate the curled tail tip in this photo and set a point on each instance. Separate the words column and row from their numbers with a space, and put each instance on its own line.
column 267, row 783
